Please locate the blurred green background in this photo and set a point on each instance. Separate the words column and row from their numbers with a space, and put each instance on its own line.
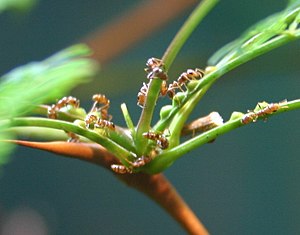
column 246, row 182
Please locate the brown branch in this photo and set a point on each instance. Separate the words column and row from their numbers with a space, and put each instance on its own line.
column 159, row 189
column 156, row 187
column 89, row 152
column 133, row 26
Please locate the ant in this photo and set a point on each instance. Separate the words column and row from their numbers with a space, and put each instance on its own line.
column 163, row 88
column 73, row 138
column 142, row 161
column 153, row 63
column 183, row 79
column 65, row 101
column 253, row 115
column 158, row 73
column 120, row 169
column 172, row 89
column 269, row 109
column 101, row 99
column 160, row 139
column 142, row 95
column 101, row 123
column 156, row 69
column 92, row 120
column 190, row 74
column 249, row 117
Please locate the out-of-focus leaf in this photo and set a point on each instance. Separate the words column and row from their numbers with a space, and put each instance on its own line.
column 17, row 5
column 293, row 2
column 39, row 82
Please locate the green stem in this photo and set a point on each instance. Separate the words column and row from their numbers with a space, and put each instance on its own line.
column 120, row 136
column 154, row 87
column 166, row 158
column 182, row 115
column 37, row 133
column 66, row 116
column 249, row 55
column 203, row 8
column 215, row 75
column 120, row 152
column 128, row 119
column 146, row 117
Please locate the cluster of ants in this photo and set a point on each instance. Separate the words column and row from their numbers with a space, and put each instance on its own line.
column 156, row 70
column 98, row 116
column 252, row 116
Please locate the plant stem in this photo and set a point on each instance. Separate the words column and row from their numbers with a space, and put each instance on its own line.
column 182, row 115
column 154, row 87
column 120, row 152
column 159, row 189
column 166, row 158
column 156, row 187
column 239, row 60
column 36, row 133
column 127, row 118
column 249, row 55
column 203, row 8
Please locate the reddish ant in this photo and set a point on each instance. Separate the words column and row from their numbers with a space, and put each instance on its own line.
column 65, row 101
column 183, row 79
column 253, row 115
column 189, row 75
column 104, row 123
column 92, row 120
column 160, row 139
column 73, row 138
column 163, row 88
column 142, row 95
column 156, row 69
column 101, row 99
column 249, row 117
column 158, row 73
column 120, row 169
column 153, row 63
column 142, row 161
column 269, row 109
